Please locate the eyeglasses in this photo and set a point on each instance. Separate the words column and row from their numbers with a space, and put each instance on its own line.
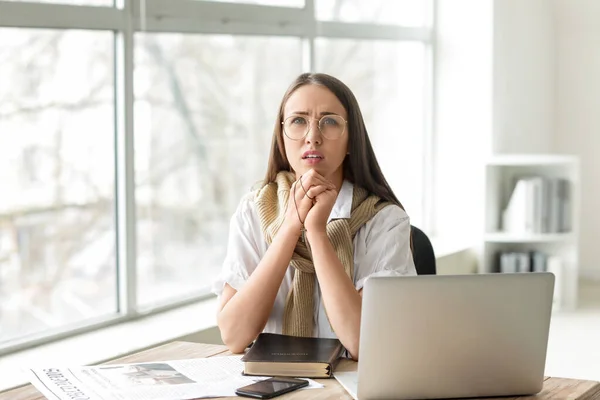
column 296, row 127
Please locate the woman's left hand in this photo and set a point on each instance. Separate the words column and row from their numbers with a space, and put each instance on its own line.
column 316, row 219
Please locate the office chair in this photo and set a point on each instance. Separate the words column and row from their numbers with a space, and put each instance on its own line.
column 423, row 253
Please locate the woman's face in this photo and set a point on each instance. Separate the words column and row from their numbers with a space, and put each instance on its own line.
column 322, row 149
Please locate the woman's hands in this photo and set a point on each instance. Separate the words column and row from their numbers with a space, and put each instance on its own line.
column 311, row 200
column 306, row 195
column 316, row 219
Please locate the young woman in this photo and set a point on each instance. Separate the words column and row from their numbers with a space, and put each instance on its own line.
column 325, row 219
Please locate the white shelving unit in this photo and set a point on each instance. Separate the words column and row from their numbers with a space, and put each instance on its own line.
column 501, row 174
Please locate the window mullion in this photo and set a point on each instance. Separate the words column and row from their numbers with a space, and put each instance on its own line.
column 308, row 58
column 59, row 16
column 126, row 205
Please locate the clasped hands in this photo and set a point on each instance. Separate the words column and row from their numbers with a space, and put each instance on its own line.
column 311, row 200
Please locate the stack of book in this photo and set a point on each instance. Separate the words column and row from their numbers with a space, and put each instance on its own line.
column 527, row 261
column 538, row 205
column 533, row 261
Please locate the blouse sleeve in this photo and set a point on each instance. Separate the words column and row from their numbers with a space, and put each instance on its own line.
column 385, row 249
column 243, row 254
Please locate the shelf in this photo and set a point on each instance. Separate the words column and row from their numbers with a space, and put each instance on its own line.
column 503, row 237
column 530, row 160
column 502, row 171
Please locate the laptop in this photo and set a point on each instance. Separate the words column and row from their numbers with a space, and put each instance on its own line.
column 450, row 336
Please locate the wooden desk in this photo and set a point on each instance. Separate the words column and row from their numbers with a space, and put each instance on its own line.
column 554, row 388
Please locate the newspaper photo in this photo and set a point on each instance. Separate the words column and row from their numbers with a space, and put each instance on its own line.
column 161, row 380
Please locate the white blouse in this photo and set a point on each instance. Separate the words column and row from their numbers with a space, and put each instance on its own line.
column 381, row 247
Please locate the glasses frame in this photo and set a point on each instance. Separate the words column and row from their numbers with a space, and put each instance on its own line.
column 310, row 120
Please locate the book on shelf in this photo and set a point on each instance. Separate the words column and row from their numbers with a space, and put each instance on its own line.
column 555, row 265
column 292, row 356
column 533, row 261
column 522, row 261
column 538, row 205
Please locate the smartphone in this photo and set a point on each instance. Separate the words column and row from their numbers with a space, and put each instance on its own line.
column 271, row 387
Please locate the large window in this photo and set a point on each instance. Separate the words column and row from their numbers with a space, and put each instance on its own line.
column 130, row 129
column 57, row 231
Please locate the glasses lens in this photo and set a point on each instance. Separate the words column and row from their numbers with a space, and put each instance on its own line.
column 295, row 127
column 332, row 126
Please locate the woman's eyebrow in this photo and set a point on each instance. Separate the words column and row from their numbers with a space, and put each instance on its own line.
column 307, row 113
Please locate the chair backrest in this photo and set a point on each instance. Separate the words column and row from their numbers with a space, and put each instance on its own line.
column 423, row 253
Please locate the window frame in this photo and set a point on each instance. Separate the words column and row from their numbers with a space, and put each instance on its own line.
column 127, row 17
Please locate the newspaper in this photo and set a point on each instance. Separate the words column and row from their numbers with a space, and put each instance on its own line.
column 161, row 380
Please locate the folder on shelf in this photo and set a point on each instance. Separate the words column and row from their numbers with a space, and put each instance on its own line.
column 514, row 217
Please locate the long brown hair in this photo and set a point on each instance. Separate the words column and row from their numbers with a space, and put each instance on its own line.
column 360, row 166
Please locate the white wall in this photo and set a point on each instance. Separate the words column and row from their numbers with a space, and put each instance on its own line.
column 463, row 116
column 578, row 112
column 495, row 81
column 524, row 74
column 516, row 76
column 547, row 93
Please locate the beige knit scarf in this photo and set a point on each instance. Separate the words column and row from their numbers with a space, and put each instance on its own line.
column 271, row 203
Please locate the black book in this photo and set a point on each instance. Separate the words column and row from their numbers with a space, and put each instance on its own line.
column 300, row 357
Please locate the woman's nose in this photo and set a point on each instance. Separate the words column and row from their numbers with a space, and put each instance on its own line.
column 314, row 133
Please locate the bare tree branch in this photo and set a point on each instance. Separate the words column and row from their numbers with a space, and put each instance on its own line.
column 88, row 101
column 54, row 208
column 180, row 101
column 75, row 106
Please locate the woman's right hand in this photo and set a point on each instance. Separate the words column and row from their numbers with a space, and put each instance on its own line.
column 303, row 191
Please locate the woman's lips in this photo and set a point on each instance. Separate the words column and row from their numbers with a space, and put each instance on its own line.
column 312, row 160
column 312, row 157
